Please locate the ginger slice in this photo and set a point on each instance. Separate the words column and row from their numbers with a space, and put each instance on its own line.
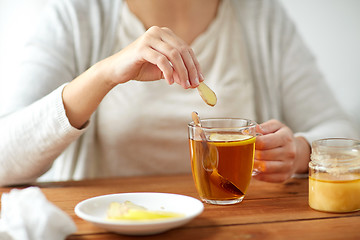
column 207, row 94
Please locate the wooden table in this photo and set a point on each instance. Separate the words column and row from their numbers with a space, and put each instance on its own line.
column 269, row 211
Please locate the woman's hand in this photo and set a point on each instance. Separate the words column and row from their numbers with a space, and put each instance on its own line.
column 157, row 54
column 278, row 153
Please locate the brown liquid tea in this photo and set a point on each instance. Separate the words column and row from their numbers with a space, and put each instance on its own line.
column 223, row 171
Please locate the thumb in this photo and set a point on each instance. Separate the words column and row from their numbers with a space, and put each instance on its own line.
column 260, row 130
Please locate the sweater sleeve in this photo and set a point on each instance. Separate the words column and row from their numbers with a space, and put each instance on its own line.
column 33, row 137
column 309, row 106
column 34, row 129
column 286, row 77
column 72, row 35
column 290, row 85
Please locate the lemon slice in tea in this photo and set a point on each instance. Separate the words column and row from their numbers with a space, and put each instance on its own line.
column 237, row 139
column 228, row 137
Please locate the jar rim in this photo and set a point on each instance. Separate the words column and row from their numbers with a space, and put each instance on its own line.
column 336, row 152
column 336, row 143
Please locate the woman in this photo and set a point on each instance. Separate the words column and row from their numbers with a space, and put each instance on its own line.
column 90, row 93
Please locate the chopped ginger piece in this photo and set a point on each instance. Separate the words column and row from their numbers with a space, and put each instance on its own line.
column 207, row 94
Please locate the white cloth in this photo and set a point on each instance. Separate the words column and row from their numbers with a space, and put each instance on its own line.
column 27, row 215
column 140, row 128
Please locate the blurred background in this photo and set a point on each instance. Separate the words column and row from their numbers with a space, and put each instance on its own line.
column 331, row 28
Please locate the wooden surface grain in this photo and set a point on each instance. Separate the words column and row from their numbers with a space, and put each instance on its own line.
column 269, row 211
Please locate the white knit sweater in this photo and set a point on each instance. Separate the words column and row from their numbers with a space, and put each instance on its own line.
column 251, row 55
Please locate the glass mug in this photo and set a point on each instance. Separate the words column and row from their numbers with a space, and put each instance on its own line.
column 222, row 158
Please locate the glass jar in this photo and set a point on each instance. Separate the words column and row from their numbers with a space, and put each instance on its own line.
column 334, row 175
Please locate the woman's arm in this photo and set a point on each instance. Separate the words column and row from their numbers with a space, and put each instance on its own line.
column 33, row 135
column 158, row 54
column 34, row 129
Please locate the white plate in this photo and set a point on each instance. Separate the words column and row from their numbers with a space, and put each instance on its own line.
column 94, row 210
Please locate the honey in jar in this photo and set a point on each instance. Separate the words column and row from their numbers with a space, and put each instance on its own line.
column 334, row 175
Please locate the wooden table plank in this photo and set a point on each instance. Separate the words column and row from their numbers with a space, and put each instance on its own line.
column 267, row 211
column 314, row 229
column 265, row 202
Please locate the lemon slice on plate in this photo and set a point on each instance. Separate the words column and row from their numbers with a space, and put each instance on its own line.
column 130, row 211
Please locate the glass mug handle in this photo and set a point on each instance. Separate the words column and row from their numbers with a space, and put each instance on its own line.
column 257, row 169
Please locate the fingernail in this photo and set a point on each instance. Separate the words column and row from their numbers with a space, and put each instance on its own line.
column 187, row 84
column 202, row 77
column 259, row 127
column 196, row 81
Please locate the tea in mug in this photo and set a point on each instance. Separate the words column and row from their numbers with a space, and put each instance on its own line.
column 222, row 166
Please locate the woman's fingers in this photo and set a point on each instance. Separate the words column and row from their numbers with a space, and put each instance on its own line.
column 161, row 61
column 273, row 177
column 273, row 171
column 161, row 52
column 179, row 54
column 275, row 153
column 157, row 54
column 197, row 65
column 275, row 134
column 273, row 166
